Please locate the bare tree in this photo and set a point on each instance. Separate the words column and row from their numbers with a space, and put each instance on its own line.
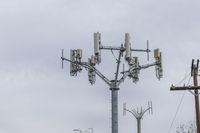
column 186, row 128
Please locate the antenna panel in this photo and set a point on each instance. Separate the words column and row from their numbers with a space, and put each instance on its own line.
column 91, row 72
column 93, row 60
column 148, row 50
column 75, row 57
column 159, row 69
column 79, row 53
column 134, row 71
column 72, row 66
column 97, row 43
column 91, row 76
column 156, row 53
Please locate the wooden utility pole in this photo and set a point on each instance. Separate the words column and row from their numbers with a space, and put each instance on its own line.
column 194, row 73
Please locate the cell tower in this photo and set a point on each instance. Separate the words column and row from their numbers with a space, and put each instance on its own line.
column 76, row 65
column 138, row 114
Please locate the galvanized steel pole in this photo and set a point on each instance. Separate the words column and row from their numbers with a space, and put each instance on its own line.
column 139, row 125
column 114, row 110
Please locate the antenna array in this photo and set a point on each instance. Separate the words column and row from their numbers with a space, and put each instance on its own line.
column 134, row 67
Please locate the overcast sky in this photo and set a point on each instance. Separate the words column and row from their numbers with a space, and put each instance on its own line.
column 37, row 96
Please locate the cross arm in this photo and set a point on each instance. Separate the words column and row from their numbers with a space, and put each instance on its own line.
column 123, row 49
column 173, row 88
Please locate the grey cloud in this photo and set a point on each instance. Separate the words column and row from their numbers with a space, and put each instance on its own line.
column 37, row 96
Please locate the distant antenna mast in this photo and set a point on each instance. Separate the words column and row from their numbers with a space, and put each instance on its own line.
column 138, row 114
column 90, row 130
column 76, row 66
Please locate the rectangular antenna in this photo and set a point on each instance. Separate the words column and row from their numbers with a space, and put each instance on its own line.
column 157, row 53
column 79, row 53
column 72, row 65
column 62, row 57
column 148, row 50
column 91, row 73
column 160, row 67
column 93, row 60
column 97, row 41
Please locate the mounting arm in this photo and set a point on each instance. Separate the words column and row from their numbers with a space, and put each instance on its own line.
column 133, row 68
column 87, row 66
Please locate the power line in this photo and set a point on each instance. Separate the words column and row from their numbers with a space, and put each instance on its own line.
column 194, row 74
column 177, row 110
column 184, row 78
column 181, row 100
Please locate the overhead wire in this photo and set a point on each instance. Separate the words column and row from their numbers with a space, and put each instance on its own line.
column 184, row 78
column 181, row 100
column 177, row 110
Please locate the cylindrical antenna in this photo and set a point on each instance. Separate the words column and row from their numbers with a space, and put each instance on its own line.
column 97, row 41
column 127, row 46
column 197, row 64
column 97, row 44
